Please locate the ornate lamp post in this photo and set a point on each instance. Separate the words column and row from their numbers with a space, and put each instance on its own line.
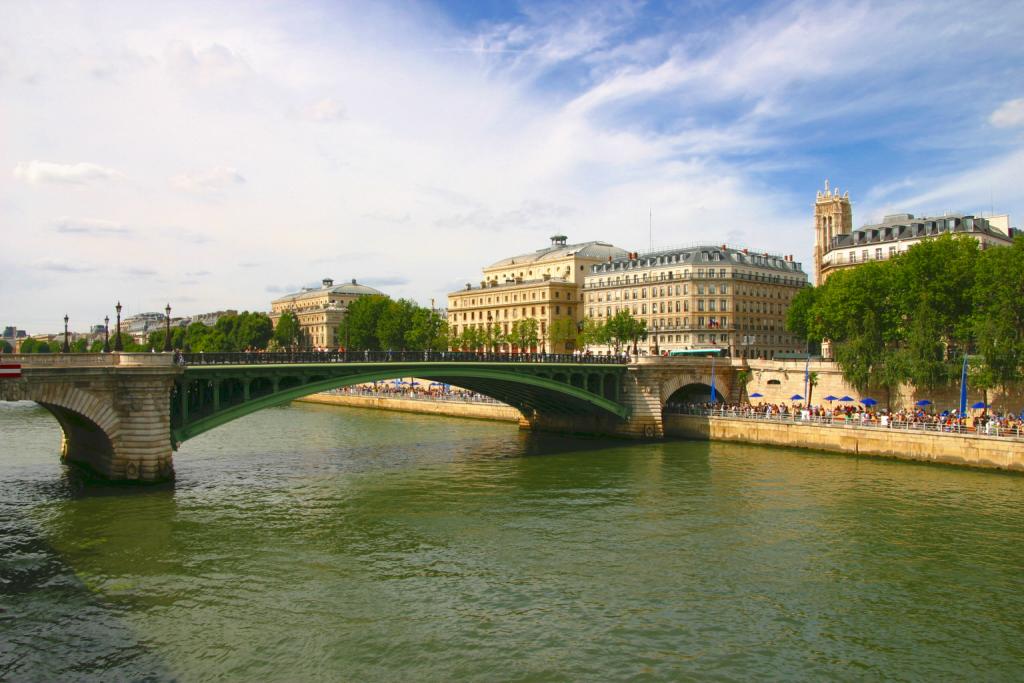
column 67, row 347
column 117, row 340
column 167, row 334
column 106, row 334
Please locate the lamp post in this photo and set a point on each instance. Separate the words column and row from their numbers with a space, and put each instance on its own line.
column 106, row 334
column 167, row 333
column 117, row 340
column 67, row 347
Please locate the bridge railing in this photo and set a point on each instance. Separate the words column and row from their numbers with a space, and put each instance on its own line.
column 831, row 421
column 292, row 357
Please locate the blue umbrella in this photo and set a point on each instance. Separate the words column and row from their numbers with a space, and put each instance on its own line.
column 979, row 404
column 830, row 398
column 796, row 397
column 923, row 402
column 756, row 395
column 845, row 399
column 869, row 402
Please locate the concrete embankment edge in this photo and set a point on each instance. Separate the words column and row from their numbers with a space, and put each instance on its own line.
column 476, row 411
column 951, row 449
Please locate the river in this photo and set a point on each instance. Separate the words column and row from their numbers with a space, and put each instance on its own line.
column 321, row 543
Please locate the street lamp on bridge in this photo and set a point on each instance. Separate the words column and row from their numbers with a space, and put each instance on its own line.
column 117, row 340
column 106, row 334
column 167, row 335
column 67, row 347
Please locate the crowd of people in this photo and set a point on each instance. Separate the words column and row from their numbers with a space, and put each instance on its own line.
column 414, row 389
column 979, row 421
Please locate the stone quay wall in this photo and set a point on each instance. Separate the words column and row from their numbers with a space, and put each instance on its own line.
column 952, row 449
column 478, row 411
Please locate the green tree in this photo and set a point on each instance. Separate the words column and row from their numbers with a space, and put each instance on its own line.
column 622, row 328
column 28, row 346
column 252, row 331
column 358, row 329
column 427, row 331
column 524, row 334
column 562, row 332
column 594, row 333
column 997, row 319
column 799, row 315
column 80, row 345
column 5, row 347
column 394, row 323
column 286, row 333
column 494, row 336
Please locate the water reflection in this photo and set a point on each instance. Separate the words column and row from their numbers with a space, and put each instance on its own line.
column 315, row 543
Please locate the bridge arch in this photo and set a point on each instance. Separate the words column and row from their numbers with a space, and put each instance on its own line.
column 200, row 403
column 679, row 383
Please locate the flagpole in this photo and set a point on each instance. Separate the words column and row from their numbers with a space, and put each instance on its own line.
column 713, row 379
column 963, row 389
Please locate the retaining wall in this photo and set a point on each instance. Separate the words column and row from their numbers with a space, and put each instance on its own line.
column 953, row 449
column 478, row 411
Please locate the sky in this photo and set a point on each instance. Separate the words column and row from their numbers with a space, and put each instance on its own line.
column 217, row 155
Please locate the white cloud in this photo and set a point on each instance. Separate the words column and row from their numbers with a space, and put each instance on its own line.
column 89, row 226
column 327, row 110
column 209, row 181
column 39, row 172
column 1009, row 115
column 205, row 66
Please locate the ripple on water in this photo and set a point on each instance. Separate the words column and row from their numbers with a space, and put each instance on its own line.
column 312, row 543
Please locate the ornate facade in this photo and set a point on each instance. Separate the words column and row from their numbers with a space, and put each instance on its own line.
column 837, row 245
column 710, row 297
column 320, row 311
column 543, row 285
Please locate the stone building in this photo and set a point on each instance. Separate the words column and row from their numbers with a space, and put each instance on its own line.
column 544, row 285
column 837, row 245
column 709, row 297
column 320, row 310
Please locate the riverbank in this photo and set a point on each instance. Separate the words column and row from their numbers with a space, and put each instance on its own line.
column 477, row 411
column 952, row 449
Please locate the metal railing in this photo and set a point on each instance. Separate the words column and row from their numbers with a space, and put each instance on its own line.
column 282, row 357
column 855, row 420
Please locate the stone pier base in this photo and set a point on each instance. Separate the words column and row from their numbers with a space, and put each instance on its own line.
column 115, row 418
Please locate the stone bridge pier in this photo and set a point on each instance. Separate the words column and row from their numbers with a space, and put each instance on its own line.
column 114, row 412
column 649, row 384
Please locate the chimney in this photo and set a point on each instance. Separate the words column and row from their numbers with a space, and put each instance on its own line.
column 746, row 252
column 353, row 280
column 328, row 282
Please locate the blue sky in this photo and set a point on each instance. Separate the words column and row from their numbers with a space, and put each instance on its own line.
column 219, row 154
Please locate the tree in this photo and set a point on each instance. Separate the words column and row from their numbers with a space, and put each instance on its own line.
column 5, row 347
column 79, row 345
column 799, row 314
column 594, row 333
column 28, row 346
column 997, row 320
column 622, row 328
column 524, row 334
column 494, row 336
column 427, row 331
column 394, row 323
column 358, row 329
column 253, row 331
column 286, row 333
column 562, row 331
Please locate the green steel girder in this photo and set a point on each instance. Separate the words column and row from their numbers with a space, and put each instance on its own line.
column 528, row 387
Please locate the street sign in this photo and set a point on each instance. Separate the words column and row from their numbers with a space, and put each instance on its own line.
column 10, row 371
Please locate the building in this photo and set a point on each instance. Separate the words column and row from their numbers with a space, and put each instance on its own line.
column 320, row 310
column 543, row 285
column 837, row 245
column 705, row 297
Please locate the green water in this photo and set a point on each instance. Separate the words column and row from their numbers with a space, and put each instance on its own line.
column 318, row 543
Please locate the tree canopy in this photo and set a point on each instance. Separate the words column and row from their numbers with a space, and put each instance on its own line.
column 912, row 318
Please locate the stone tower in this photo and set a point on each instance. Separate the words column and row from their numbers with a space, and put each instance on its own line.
column 832, row 216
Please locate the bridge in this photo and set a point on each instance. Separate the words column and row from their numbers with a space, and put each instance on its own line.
column 124, row 414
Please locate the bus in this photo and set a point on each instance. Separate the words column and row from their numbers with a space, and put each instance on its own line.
column 698, row 353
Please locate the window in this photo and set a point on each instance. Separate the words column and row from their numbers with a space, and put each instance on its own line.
column 878, row 253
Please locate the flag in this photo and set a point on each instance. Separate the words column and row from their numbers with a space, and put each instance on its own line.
column 963, row 389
